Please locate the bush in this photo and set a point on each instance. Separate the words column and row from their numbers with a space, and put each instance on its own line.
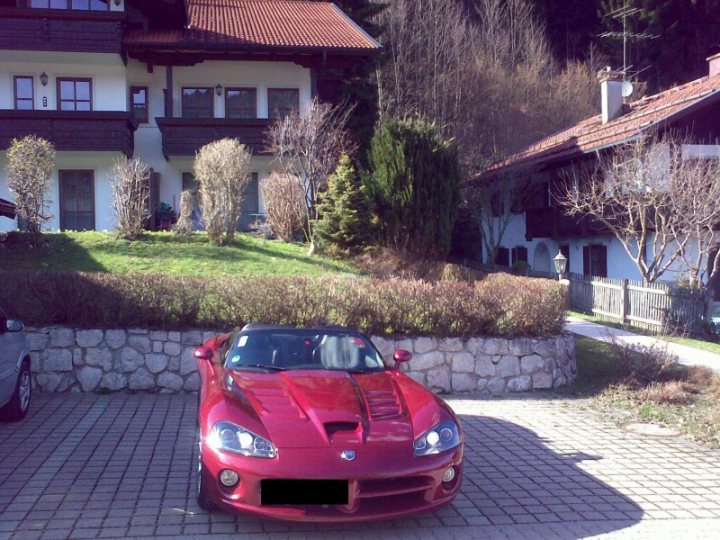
column 284, row 197
column 385, row 263
column 499, row 305
column 131, row 196
column 222, row 169
column 413, row 185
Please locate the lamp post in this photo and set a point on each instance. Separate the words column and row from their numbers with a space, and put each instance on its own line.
column 560, row 262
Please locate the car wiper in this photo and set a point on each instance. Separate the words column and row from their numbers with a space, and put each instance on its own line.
column 360, row 371
column 260, row 366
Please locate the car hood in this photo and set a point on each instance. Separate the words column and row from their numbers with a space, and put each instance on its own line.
column 313, row 409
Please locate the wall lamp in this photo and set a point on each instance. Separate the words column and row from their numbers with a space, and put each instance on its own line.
column 219, row 90
column 117, row 2
column 44, row 78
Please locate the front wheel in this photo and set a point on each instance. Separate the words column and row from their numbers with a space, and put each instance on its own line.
column 19, row 404
column 203, row 479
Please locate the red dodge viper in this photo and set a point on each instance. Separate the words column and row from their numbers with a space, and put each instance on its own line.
column 311, row 424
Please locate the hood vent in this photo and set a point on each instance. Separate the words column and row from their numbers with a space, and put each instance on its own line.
column 333, row 428
column 383, row 404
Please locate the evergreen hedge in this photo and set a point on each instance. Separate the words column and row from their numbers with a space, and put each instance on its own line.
column 499, row 305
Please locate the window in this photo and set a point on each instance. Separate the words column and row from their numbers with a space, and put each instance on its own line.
column 519, row 253
column 139, row 103
column 502, row 257
column 251, row 204
column 595, row 261
column 282, row 101
column 191, row 184
column 74, row 94
column 77, row 200
column 85, row 5
column 24, row 93
column 240, row 103
column 565, row 250
column 197, row 102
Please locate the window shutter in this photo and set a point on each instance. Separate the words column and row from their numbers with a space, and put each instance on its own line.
column 587, row 271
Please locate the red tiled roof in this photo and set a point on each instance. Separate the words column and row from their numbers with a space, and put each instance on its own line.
column 591, row 134
column 261, row 24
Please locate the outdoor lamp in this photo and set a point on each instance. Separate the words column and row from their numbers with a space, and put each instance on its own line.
column 44, row 78
column 219, row 90
column 117, row 2
column 560, row 262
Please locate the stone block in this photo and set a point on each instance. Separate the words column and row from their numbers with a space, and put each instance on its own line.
column 192, row 384
column 88, row 338
column 508, row 366
column 520, row 346
column 158, row 335
column 542, row 380
column 463, row 362
column 115, row 338
column 450, row 345
column 422, row 362
column 405, row 344
column 544, row 347
column 139, row 331
column 99, row 358
column 128, row 360
column 496, row 385
column 141, row 344
column 172, row 348
column 385, row 346
column 62, row 337
column 174, row 336
column 113, row 382
column 174, row 364
column 475, row 346
column 439, row 380
column 484, row 366
column 520, row 384
column 156, row 362
column 192, row 337
column 463, row 382
column 496, row 346
column 89, row 378
column 77, row 356
column 532, row 364
column 48, row 382
column 57, row 360
column 171, row 381
column 141, row 379
column 188, row 363
column 37, row 341
column 35, row 362
column 157, row 347
column 425, row 344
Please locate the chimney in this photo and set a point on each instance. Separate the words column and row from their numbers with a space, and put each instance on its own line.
column 713, row 64
column 611, row 99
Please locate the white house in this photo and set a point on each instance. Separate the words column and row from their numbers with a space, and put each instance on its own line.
column 538, row 229
column 156, row 80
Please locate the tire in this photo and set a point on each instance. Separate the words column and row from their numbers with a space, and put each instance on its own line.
column 202, row 482
column 19, row 404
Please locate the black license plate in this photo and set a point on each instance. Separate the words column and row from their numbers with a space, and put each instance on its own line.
column 299, row 492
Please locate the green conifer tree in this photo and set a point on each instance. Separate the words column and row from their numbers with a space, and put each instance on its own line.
column 345, row 222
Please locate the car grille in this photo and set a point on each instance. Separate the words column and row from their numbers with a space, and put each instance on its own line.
column 391, row 487
column 383, row 404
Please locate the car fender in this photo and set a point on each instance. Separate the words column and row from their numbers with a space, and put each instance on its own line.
column 24, row 353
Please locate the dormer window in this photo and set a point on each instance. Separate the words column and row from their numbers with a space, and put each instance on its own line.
column 83, row 5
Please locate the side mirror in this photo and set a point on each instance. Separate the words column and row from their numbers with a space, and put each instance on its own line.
column 400, row 356
column 203, row 353
column 15, row 325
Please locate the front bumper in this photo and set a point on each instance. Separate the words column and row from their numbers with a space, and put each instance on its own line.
column 379, row 486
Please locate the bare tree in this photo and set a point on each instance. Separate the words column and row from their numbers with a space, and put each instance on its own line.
column 661, row 205
column 30, row 162
column 308, row 147
column 131, row 196
column 222, row 169
column 284, row 197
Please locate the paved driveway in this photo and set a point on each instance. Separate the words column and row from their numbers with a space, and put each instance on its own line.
column 90, row 466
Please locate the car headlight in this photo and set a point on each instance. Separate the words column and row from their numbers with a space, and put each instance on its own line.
column 233, row 438
column 444, row 436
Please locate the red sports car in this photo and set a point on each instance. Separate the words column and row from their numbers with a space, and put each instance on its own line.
column 310, row 424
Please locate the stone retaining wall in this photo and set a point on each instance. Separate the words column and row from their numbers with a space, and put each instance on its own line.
column 65, row 359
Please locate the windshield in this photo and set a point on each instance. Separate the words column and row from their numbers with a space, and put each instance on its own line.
column 281, row 350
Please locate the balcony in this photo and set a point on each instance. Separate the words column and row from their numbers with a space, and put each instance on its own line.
column 95, row 131
column 61, row 30
column 553, row 223
column 185, row 136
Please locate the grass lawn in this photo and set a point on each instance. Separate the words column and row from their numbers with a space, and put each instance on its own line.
column 166, row 253
column 710, row 346
column 686, row 398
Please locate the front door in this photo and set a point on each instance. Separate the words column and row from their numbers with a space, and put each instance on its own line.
column 77, row 200
column 250, row 206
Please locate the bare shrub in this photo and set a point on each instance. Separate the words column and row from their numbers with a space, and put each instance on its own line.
column 638, row 366
column 284, row 197
column 184, row 225
column 669, row 393
column 30, row 162
column 131, row 196
column 222, row 169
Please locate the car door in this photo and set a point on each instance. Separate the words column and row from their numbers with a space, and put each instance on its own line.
column 10, row 348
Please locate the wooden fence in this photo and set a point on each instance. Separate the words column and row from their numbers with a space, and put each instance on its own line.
column 659, row 307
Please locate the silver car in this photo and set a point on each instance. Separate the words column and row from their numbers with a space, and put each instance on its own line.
column 15, row 381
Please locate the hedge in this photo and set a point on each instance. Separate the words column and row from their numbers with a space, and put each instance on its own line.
column 499, row 305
